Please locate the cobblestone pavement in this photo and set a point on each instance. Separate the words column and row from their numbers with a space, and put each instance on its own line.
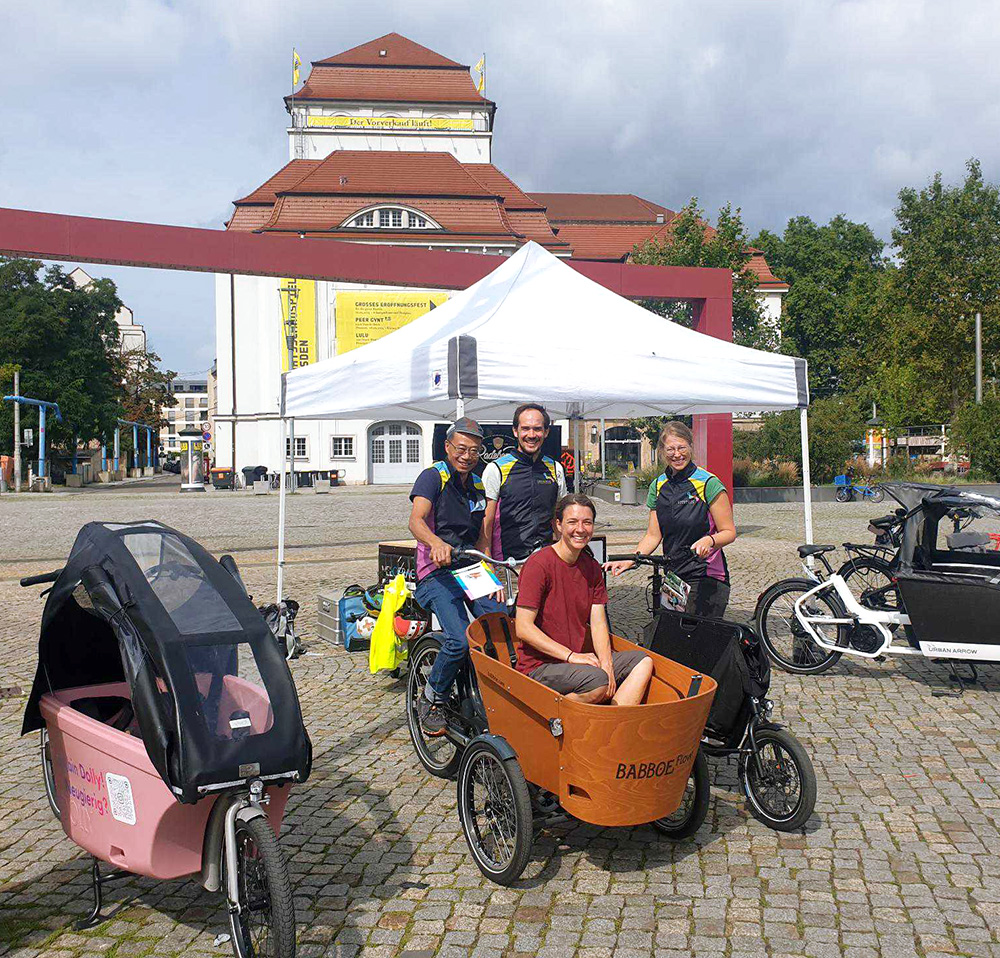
column 902, row 857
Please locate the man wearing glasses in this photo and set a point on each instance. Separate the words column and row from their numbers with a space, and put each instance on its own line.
column 449, row 503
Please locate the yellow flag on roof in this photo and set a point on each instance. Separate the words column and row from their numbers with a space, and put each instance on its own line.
column 296, row 63
column 480, row 68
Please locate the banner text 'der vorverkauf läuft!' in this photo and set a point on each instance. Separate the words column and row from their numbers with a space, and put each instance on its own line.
column 298, row 319
column 363, row 317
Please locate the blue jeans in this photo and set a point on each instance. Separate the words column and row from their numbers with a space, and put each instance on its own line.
column 441, row 594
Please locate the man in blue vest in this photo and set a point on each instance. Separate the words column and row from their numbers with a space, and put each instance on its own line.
column 449, row 503
column 522, row 489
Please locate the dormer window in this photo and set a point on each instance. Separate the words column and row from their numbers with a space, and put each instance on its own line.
column 389, row 218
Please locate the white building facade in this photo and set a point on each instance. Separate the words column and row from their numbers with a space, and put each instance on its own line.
column 388, row 143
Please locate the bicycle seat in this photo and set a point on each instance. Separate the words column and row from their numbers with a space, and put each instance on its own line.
column 884, row 522
column 806, row 551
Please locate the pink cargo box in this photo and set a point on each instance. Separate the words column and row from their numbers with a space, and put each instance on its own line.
column 112, row 800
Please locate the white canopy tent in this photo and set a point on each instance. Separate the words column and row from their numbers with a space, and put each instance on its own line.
column 537, row 329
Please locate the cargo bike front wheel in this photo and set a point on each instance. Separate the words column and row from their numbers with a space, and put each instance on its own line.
column 265, row 922
column 778, row 780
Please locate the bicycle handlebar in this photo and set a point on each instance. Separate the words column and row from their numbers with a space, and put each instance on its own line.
column 42, row 577
column 640, row 559
column 508, row 563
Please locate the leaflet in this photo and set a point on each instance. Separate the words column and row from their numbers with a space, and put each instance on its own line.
column 477, row 580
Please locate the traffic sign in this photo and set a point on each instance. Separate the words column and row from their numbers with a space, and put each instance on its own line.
column 206, row 436
column 29, row 437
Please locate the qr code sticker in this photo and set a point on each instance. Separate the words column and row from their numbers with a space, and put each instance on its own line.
column 120, row 795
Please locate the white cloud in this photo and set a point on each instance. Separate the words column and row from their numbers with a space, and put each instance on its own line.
column 165, row 111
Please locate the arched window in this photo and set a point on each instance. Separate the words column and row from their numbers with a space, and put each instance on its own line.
column 389, row 218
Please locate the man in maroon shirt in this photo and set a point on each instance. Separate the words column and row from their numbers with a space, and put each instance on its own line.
column 561, row 592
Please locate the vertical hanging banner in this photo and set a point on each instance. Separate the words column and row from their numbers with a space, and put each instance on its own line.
column 363, row 317
column 298, row 319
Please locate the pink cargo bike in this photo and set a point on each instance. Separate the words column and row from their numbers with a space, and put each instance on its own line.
column 170, row 727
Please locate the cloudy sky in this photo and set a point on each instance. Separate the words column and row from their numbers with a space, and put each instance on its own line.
column 165, row 111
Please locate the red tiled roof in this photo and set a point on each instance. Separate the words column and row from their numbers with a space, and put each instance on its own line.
column 399, row 51
column 296, row 213
column 472, row 203
column 287, row 176
column 421, row 239
column 400, row 85
column 600, row 207
column 598, row 242
column 514, row 198
column 385, row 173
column 765, row 277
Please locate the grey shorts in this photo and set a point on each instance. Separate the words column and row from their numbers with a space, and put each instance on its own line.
column 565, row 677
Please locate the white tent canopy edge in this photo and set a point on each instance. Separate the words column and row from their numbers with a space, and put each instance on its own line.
column 535, row 327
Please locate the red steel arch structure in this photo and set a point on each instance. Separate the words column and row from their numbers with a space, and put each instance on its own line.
column 56, row 236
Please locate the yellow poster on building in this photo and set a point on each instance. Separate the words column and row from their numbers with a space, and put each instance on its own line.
column 363, row 317
column 391, row 122
column 298, row 320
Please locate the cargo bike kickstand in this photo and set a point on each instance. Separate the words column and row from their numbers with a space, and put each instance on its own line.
column 775, row 772
column 524, row 755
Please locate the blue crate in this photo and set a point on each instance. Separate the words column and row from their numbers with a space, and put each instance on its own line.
column 841, row 480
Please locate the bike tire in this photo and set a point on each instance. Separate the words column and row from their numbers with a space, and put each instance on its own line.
column 48, row 773
column 844, row 495
column 804, row 657
column 865, row 575
column 795, row 756
column 693, row 810
column 502, row 778
column 265, row 874
column 876, row 494
column 440, row 756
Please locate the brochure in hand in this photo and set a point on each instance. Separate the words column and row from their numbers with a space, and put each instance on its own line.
column 477, row 580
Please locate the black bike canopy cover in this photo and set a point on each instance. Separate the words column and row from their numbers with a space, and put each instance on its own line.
column 213, row 697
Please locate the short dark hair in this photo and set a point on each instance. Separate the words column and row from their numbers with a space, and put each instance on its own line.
column 575, row 499
column 525, row 406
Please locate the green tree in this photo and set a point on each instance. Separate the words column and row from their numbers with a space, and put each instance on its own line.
column 947, row 241
column 145, row 387
column 65, row 340
column 836, row 427
column 690, row 241
column 833, row 272
column 976, row 428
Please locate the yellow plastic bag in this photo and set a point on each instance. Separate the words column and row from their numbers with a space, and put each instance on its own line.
column 387, row 650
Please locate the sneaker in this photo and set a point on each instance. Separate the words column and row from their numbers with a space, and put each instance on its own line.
column 432, row 720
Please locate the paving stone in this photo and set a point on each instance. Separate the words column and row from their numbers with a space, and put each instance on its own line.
column 899, row 860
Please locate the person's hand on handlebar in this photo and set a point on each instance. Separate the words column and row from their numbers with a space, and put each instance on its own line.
column 619, row 566
column 440, row 553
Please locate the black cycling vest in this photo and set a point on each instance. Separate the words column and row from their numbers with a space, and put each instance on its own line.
column 683, row 515
column 526, row 504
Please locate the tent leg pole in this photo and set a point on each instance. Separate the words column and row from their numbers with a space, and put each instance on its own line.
column 806, row 478
column 459, row 408
column 577, row 485
column 281, row 513
column 604, row 472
